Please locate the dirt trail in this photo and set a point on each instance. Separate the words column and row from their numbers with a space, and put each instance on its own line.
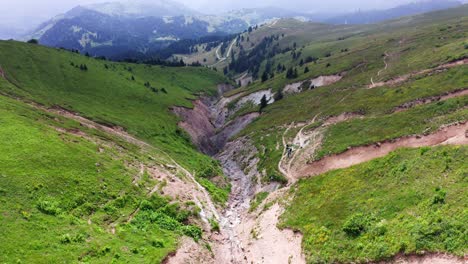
column 386, row 55
column 228, row 53
column 281, row 166
column 431, row 99
column 454, row 135
column 403, row 78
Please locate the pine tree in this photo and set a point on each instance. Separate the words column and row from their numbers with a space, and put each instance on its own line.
column 279, row 95
column 264, row 76
column 306, row 70
column 263, row 103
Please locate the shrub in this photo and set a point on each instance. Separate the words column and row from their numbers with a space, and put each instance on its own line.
column 157, row 243
column 357, row 224
column 439, row 197
column 192, row 231
column 214, row 225
column 33, row 41
column 48, row 207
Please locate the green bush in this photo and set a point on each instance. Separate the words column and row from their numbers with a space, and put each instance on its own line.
column 194, row 232
column 214, row 225
column 357, row 224
column 157, row 243
column 48, row 207
column 439, row 197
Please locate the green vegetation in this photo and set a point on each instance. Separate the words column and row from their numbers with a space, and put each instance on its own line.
column 412, row 200
column 416, row 121
column 258, row 200
column 358, row 53
column 62, row 195
column 135, row 97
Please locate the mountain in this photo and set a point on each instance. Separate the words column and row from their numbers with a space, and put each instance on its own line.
column 374, row 16
column 342, row 144
column 100, row 34
column 142, row 8
column 118, row 30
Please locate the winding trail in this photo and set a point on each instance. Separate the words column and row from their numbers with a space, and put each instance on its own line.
column 403, row 78
column 228, row 53
column 386, row 55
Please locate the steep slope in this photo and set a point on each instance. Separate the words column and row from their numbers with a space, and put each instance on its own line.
column 136, row 98
column 74, row 193
column 347, row 95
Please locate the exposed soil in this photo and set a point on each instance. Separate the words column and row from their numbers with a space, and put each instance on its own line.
column 235, row 158
column 265, row 243
column 305, row 144
column 244, row 80
column 252, row 237
column 455, row 134
column 206, row 128
column 432, row 99
column 403, row 78
column 190, row 252
column 197, row 123
column 430, row 258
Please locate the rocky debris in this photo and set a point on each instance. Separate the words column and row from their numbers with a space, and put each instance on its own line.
column 255, row 98
column 320, row 81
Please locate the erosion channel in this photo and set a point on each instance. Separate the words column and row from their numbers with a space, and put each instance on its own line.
column 244, row 236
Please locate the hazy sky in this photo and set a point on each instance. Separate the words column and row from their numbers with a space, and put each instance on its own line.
column 18, row 12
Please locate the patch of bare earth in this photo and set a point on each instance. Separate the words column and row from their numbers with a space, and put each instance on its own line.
column 266, row 243
column 432, row 99
column 430, row 258
column 454, row 135
column 190, row 252
column 320, row 81
column 306, row 143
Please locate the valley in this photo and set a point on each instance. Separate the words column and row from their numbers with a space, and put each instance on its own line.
column 292, row 142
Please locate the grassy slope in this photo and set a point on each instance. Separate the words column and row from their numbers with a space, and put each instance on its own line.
column 415, row 43
column 109, row 95
column 412, row 200
column 60, row 194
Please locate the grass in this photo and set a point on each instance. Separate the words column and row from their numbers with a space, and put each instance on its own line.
column 135, row 97
column 75, row 189
column 411, row 201
column 414, row 44
column 258, row 200
column 416, row 121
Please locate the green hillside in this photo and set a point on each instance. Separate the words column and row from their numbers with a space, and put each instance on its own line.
column 63, row 188
column 135, row 97
column 408, row 45
column 411, row 201
column 108, row 188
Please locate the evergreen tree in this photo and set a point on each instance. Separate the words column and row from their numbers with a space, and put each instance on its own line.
column 264, row 76
column 279, row 95
column 263, row 103
column 306, row 70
